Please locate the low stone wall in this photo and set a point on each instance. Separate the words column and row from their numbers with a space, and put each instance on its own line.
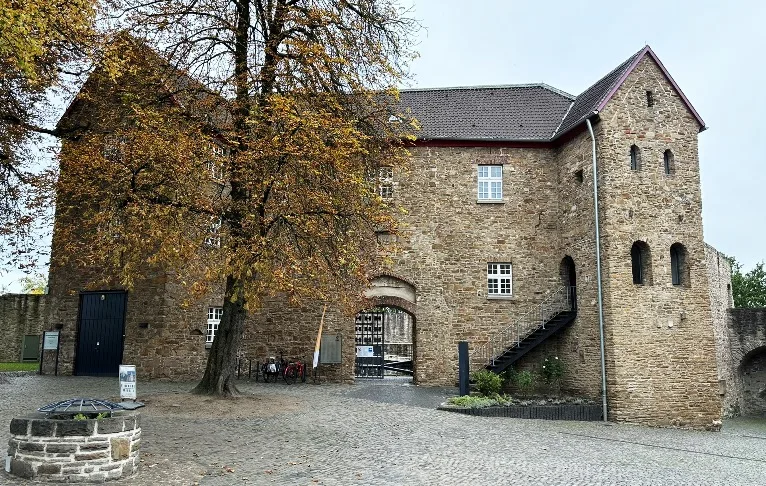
column 74, row 450
column 20, row 315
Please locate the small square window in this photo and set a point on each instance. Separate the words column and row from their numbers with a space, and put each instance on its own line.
column 499, row 279
column 490, row 183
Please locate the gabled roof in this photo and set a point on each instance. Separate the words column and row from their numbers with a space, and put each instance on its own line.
column 528, row 112
column 517, row 113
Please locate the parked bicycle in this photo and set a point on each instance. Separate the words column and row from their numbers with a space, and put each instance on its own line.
column 293, row 370
column 271, row 369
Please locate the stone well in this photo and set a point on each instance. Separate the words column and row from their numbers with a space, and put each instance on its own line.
column 67, row 450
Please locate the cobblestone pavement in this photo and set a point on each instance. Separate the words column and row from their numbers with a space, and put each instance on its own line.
column 389, row 434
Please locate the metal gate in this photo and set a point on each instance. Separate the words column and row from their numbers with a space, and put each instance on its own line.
column 100, row 333
column 369, row 344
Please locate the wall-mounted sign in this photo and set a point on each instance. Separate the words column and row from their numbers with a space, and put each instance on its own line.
column 365, row 352
column 51, row 340
column 128, row 382
column 331, row 349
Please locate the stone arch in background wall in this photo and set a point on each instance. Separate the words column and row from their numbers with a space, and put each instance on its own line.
column 752, row 370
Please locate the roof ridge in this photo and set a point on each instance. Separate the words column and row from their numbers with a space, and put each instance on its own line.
column 493, row 86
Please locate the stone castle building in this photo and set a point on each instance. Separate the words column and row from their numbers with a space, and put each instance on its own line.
column 499, row 227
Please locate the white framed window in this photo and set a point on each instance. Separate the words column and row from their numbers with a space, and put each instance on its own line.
column 499, row 279
column 213, row 320
column 213, row 238
column 490, row 183
column 386, row 182
column 214, row 164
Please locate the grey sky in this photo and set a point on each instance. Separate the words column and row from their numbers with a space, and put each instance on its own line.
column 713, row 50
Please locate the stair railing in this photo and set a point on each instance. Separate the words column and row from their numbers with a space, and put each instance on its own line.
column 562, row 299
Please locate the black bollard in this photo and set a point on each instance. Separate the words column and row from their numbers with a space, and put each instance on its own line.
column 462, row 359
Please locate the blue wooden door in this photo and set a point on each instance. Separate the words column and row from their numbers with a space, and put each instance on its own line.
column 100, row 333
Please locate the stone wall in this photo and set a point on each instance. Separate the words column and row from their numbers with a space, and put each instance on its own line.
column 747, row 340
column 20, row 315
column 661, row 367
column 721, row 299
column 71, row 451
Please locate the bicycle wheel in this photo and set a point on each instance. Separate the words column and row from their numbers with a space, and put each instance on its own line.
column 289, row 375
column 303, row 374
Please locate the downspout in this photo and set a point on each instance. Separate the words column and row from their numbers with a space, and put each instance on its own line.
column 598, row 272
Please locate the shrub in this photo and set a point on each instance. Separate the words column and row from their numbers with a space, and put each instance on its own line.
column 552, row 370
column 471, row 402
column 487, row 383
column 525, row 381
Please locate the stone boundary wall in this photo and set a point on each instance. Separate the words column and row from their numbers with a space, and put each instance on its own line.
column 719, row 278
column 74, row 450
column 20, row 315
column 747, row 339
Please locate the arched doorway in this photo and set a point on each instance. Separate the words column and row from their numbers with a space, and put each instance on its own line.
column 753, row 374
column 568, row 273
column 384, row 334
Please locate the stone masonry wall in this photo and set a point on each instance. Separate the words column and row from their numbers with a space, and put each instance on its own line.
column 661, row 365
column 721, row 299
column 747, row 338
column 20, row 315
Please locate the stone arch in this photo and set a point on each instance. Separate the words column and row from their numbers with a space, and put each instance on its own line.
column 752, row 373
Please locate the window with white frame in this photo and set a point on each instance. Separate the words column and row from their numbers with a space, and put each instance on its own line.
column 213, row 238
column 386, row 182
column 490, row 183
column 213, row 320
column 499, row 276
column 214, row 164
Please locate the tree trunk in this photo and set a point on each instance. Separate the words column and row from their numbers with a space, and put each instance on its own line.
column 221, row 363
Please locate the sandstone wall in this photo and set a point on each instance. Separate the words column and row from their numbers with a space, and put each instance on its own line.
column 661, row 348
column 20, row 315
column 721, row 299
column 747, row 340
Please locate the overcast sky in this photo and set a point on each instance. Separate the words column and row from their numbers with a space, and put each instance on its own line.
column 714, row 51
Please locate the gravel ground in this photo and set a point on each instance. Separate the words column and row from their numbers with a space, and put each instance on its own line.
column 388, row 433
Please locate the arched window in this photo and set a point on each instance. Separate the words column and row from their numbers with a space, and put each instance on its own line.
column 679, row 271
column 641, row 263
column 635, row 158
column 668, row 162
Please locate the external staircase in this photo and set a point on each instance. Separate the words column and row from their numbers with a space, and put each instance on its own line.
column 546, row 319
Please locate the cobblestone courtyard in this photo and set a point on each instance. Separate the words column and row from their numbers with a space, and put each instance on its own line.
column 390, row 433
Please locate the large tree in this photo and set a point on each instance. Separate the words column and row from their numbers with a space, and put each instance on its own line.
column 308, row 118
column 748, row 288
column 42, row 43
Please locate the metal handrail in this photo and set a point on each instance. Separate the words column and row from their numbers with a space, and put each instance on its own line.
column 557, row 301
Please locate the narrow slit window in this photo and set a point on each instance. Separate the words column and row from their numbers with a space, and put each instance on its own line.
column 668, row 162
column 649, row 98
column 635, row 158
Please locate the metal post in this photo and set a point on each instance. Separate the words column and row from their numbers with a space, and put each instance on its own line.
column 249, row 369
column 462, row 359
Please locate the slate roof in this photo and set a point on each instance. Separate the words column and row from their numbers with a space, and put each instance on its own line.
column 515, row 113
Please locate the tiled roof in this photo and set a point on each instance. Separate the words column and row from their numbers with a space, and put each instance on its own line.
column 515, row 113
column 528, row 112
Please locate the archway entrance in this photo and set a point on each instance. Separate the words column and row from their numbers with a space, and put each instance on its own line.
column 568, row 274
column 385, row 345
column 385, row 334
column 753, row 373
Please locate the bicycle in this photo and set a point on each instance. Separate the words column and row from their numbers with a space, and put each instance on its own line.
column 293, row 370
column 271, row 368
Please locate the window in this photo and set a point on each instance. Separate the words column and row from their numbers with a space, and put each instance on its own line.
column 490, row 182
column 215, row 163
column 499, row 277
column 213, row 320
column 578, row 176
column 649, row 98
column 641, row 265
column 115, row 147
column 386, row 182
column 667, row 161
column 678, row 267
column 213, row 238
column 635, row 158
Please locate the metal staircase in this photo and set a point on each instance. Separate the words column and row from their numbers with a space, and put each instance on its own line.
column 504, row 348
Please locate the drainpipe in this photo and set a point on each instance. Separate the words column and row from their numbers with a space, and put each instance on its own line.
column 598, row 271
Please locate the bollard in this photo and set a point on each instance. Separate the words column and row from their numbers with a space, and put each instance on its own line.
column 462, row 359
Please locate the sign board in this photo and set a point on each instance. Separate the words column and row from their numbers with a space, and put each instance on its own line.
column 331, row 349
column 128, row 382
column 365, row 352
column 51, row 340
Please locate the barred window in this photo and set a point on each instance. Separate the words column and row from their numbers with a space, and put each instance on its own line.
column 490, row 183
column 213, row 320
column 499, row 277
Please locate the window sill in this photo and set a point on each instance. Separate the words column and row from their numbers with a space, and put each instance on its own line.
column 208, row 345
column 490, row 201
column 500, row 297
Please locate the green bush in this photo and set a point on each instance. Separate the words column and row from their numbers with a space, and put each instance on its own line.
column 487, row 383
column 552, row 370
column 469, row 401
column 525, row 381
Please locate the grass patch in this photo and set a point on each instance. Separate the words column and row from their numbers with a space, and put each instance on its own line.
column 19, row 366
column 470, row 401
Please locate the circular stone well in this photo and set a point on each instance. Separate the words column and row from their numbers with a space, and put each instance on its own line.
column 68, row 450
